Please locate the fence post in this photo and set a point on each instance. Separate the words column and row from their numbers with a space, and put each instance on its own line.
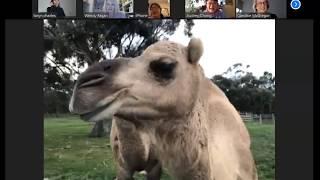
column 260, row 119
column 273, row 119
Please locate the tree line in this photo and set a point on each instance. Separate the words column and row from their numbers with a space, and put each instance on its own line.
column 247, row 92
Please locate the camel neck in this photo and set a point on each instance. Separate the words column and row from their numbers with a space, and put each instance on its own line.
column 185, row 144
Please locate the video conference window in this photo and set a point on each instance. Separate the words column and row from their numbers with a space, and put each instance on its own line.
column 158, row 9
column 261, row 9
column 58, row 8
column 108, row 8
column 210, row 8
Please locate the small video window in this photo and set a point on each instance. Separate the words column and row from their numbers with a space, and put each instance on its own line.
column 117, row 9
column 158, row 9
column 261, row 9
column 57, row 8
column 210, row 9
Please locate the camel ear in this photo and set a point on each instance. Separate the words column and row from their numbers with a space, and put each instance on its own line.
column 195, row 50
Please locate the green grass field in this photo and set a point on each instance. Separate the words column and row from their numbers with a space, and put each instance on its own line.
column 69, row 154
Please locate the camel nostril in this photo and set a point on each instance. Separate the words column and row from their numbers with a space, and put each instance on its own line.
column 90, row 80
column 107, row 68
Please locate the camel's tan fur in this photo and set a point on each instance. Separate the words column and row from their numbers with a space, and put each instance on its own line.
column 186, row 122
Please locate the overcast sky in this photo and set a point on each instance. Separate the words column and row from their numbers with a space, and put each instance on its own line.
column 226, row 42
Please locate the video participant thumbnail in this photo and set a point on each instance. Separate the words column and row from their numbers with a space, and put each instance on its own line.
column 158, row 9
column 108, row 8
column 210, row 8
column 57, row 8
column 153, row 9
column 270, row 9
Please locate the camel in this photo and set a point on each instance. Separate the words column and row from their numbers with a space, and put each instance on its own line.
column 166, row 114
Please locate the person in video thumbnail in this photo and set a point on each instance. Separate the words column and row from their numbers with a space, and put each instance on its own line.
column 155, row 11
column 56, row 9
column 109, row 7
column 262, row 7
column 212, row 8
column 112, row 8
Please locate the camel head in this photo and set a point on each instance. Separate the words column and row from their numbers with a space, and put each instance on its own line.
column 162, row 82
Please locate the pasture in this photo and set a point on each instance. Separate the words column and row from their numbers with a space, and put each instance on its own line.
column 69, row 154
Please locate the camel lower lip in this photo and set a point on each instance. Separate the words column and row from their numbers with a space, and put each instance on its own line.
column 89, row 115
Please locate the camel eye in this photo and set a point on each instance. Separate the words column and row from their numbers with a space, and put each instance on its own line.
column 163, row 70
